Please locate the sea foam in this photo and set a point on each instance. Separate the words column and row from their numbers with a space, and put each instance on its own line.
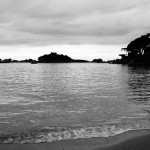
column 49, row 134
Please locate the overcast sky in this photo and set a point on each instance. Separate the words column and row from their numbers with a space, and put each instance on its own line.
column 84, row 29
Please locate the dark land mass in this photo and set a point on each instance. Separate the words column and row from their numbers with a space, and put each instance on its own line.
column 48, row 58
column 56, row 58
column 137, row 52
column 53, row 58
column 98, row 61
column 17, row 61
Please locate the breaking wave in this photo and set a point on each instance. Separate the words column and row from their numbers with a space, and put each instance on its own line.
column 49, row 134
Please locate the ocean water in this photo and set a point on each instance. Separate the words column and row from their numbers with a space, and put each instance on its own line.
column 52, row 102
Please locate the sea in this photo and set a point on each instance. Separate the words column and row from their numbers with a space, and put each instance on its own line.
column 64, row 101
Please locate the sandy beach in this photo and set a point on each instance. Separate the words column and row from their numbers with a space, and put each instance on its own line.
column 130, row 140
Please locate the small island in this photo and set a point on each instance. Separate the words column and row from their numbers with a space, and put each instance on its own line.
column 56, row 58
column 98, row 60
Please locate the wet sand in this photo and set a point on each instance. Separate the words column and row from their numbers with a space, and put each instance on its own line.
column 131, row 140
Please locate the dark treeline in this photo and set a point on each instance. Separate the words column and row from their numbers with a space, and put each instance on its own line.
column 51, row 58
column 137, row 53
column 16, row 61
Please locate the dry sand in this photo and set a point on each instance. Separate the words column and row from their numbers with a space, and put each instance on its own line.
column 131, row 140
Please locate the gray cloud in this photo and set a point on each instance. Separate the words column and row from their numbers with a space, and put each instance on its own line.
column 44, row 22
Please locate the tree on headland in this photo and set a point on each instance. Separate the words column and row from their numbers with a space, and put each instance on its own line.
column 138, row 51
column 139, row 45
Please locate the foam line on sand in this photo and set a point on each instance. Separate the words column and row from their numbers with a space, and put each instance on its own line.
column 130, row 140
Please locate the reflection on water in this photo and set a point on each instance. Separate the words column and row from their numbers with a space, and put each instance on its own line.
column 139, row 85
column 46, row 102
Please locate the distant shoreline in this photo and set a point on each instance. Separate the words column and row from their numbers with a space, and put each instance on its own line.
column 127, row 141
column 48, row 62
column 53, row 57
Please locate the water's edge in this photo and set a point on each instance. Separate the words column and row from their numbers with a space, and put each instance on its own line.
column 50, row 134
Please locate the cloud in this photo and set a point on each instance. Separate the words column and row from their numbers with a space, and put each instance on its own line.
column 47, row 22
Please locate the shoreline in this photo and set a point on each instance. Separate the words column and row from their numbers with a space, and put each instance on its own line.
column 126, row 140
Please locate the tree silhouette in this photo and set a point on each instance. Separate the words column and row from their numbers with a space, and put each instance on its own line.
column 54, row 58
column 138, row 46
column 138, row 51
